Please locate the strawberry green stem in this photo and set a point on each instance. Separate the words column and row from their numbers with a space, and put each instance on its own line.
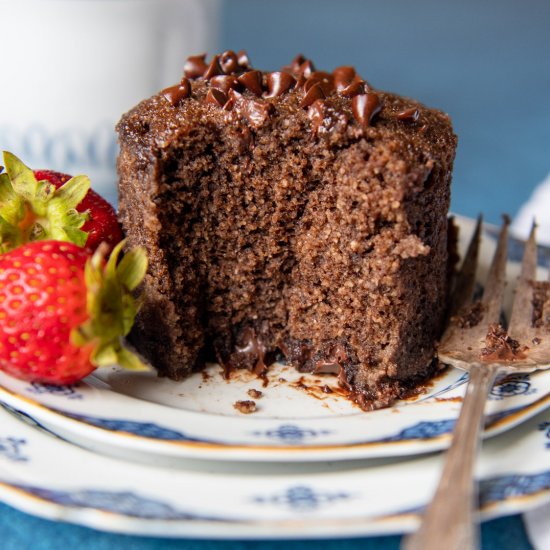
column 32, row 210
column 111, row 306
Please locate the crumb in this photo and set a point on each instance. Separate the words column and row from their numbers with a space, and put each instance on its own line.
column 255, row 394
column 499, row 346
column 245, row 407
column 282, row 379
column 327, row 389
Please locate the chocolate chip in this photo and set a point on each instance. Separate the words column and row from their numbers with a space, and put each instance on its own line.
column 176, row 93
column 365, row 107
column 256, row 112
column 233, row 96
column 353, row 89
column 216, row 97
column 344, row 76
column 243, row 60
column 252, row 80
column 306, row 68
column 214, row 68
column 224, row 82
column 294, row 67
column 313, row 94
column 317, row 114
column 195, row 66
column 411, row 114
column 326, row 81
column 229, row 61
column 278, row 83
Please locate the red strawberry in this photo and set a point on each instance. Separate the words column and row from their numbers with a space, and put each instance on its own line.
column 102, row 226
column 64, row 313
column 50, row 205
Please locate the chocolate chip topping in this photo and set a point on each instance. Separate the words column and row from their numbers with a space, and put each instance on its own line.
column 353, row 89
column 295, row 64
column 278, row 83
column 315, row 92
column 176, row 93
column 255, row 111
column 325, row 80
column 243, row 60
column 233, row 96
column 195, row 66
column 224, row 82
column 307, row 68
column 216, row 97
column 411, row 114
column 365, row 107
column 343, row 76
column 229, row 62
column 252, row 80
column 317, row 114
column 228, row 75
column 214, row 68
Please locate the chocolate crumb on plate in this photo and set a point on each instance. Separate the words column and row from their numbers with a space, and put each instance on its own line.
column 245, row 407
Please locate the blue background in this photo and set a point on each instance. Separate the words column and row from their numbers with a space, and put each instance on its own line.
column 487, row 64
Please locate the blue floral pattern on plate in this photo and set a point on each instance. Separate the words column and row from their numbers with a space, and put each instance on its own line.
column 302, row 498
column 10, row 448
column 68, row 391
column 142, row 429
column 291, row 433
column 515, row 485
column 127, row 503
column 512, row 385
column 545, row 427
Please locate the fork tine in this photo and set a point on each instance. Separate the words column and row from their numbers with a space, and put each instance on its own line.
column 466, row 279
column 522, row 308
column 496, row 280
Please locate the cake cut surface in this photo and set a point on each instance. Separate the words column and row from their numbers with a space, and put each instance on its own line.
column 297, row 213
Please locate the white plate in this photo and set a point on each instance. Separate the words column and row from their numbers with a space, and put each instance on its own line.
column 142, row 417
column 48, row 477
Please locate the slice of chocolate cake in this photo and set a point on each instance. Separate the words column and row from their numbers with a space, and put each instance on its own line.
column 296, row 212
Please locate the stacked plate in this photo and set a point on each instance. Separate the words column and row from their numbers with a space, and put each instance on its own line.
column 133, row 453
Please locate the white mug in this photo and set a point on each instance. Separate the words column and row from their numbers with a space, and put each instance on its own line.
column 71, row 68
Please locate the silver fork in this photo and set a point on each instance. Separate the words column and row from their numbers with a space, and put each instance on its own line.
column 450, row 521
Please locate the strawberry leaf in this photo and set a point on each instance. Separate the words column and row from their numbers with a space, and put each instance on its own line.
column 112, row 308
column 72, row 192
column 37, row 210
column 21, row 176
column 11, row 206
column 129, row 360
column 132, row 268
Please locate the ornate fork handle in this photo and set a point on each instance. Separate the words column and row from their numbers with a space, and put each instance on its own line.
column 449, row 521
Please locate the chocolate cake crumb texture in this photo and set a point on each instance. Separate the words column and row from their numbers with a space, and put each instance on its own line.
column 297, row 212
